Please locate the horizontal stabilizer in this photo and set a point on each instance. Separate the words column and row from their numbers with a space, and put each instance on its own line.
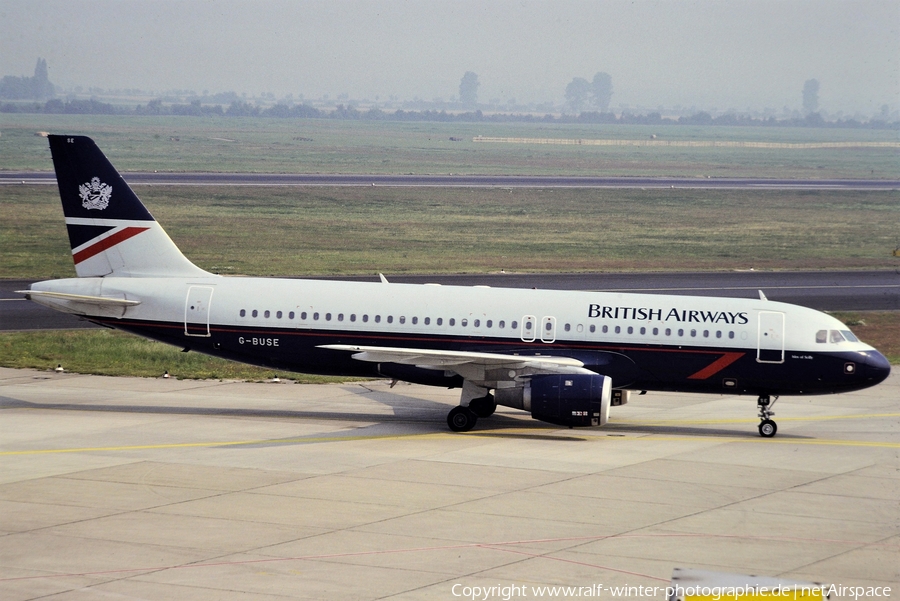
column 102, row 301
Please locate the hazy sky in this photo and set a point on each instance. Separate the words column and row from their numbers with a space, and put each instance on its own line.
column 705, row 53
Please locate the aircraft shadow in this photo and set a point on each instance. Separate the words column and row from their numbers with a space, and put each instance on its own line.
column 424, row 417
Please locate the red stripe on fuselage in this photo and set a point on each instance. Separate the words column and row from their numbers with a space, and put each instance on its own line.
column 107, row 243
column 716, row 366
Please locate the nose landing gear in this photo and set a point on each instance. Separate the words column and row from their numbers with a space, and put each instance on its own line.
column 767, row 427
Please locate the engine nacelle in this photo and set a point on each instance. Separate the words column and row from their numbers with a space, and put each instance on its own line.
column 566, row 400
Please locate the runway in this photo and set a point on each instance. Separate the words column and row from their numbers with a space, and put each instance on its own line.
column 822, row 290
column 168, row 489
column 466, row 181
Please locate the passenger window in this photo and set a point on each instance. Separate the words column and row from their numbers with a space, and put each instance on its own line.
column 567, row 327
column 527, row 325
column 427, row 321
column 668, row 331
column 243, row 312
column 353, row 317
column 303, row 316
column 643, row 331
column 580, row 328
column 390, row 319
column 476, row 323
column 291, row 315
column 452, row 321
column 822, row 336
column 255, row 313
column 731, row 334
column 463, row 322
column 655, row 331
column 378, row 319
column 328, row 317
column 489, row 323
column 501, row 324
column 718, row 333
column 548, row 326
column 593, row 328
column 316, row 316
column 365, row 318
column 618, row 329
column 630, row 330
column 706, row 333
column 266, row 314
column 402, row 319
column 340, row 317
column 681, row 332
column 415, row 320
column 836, row 336
column 278, row 315
column 514, row 325
column 605, row 329
column 440, row 321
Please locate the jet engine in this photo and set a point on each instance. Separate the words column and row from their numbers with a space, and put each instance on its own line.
column 576, row 400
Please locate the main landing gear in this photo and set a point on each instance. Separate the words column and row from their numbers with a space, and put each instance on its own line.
column 767, row 427
column 463, row 419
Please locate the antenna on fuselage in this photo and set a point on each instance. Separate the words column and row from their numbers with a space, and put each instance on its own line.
column 762, row 296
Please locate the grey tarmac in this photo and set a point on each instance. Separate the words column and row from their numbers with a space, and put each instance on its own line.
column 179, row 489
column 154, row 178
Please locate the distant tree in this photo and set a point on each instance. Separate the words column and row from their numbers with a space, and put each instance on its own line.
column 811, row 96
column 577, row 93
column 468, row 89
column 41, row 86
column 602, row 91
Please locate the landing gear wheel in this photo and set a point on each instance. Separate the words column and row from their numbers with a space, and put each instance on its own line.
column 461, row 419
column 767, row 428
column 483, row 407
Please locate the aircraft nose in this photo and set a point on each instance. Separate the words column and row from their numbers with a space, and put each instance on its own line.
column 878, row 368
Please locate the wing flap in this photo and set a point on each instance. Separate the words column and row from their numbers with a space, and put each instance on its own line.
column 441, row 358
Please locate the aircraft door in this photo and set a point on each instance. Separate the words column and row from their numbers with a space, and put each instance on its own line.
column 196, row 311
column 770, row 337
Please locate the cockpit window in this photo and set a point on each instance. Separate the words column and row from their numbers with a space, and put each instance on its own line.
column 834, row 336
column 849, row 336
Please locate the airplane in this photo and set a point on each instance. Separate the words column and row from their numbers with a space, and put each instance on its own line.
column 565, row 357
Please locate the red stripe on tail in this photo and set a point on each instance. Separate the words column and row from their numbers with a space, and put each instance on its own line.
column 107, row 243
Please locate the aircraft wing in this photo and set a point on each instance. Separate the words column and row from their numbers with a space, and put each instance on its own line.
column 453, row 360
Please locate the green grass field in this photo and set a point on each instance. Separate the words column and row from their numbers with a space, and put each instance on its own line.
column 111, row 353
column 315, row 231
column 330, row 146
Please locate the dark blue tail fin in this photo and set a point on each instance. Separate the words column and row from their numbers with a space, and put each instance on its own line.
column 110, row 230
